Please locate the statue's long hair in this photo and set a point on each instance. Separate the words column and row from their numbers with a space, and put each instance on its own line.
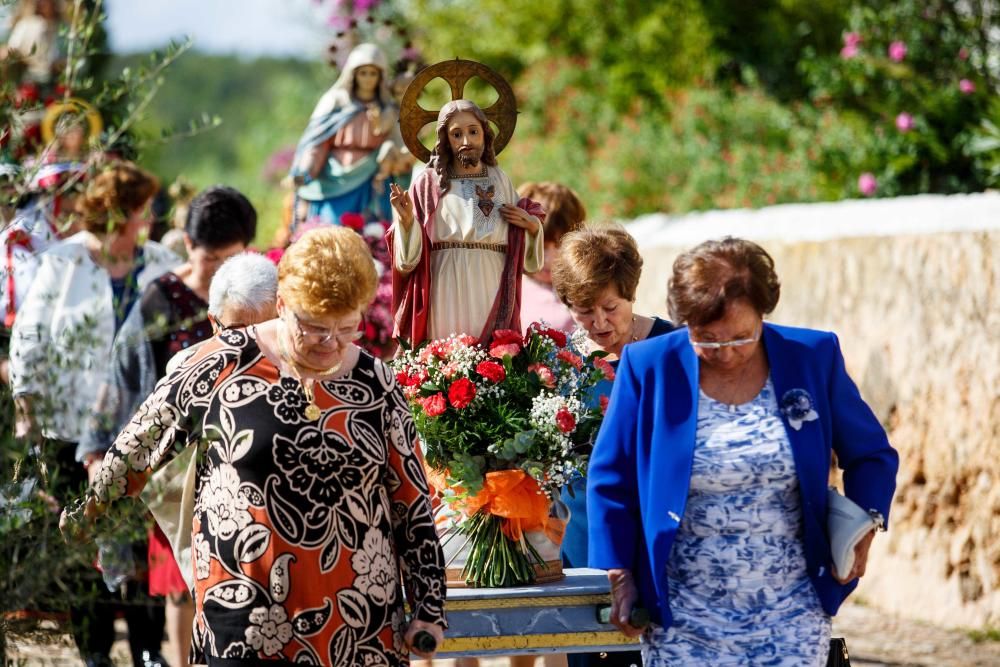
column 442, row 156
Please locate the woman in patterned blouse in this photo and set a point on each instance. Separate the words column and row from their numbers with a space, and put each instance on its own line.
column 311, row 503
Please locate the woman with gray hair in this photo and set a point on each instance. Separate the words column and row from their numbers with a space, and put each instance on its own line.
column 243, row 292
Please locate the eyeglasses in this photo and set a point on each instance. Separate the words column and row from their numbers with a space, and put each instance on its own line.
column 318, row 336
column 739, row 342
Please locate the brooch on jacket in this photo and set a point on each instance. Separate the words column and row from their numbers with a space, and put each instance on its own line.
column 797, row 407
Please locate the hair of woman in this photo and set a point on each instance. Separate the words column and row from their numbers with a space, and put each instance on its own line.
column 592, row 259
column 220, row 216
column 328, row 272
column 247, row 282
column 713, row 274
column 113, row 195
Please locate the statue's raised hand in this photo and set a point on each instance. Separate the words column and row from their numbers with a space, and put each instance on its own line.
column 403, row 205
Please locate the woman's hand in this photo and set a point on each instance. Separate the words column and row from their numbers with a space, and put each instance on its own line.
column 25, row 425
column 624, row 595
column 76, row 519
column 403, row 205
column 515, row 215
column 860, row 560
column 415, row 627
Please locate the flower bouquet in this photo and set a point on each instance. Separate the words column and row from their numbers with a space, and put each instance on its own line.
column 502, row 426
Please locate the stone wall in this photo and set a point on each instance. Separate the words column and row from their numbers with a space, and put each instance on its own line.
column 918, row 316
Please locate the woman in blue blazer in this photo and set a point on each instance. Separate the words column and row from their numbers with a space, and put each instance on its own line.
column 707, row 487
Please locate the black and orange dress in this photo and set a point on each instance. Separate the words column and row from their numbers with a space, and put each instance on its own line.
column 303, row 529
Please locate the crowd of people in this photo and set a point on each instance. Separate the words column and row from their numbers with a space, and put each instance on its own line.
column 280, row 459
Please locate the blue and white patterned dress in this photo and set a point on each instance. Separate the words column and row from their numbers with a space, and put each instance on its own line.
column 739, row 592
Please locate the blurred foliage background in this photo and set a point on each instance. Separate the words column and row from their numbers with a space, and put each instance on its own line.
column 651, row 105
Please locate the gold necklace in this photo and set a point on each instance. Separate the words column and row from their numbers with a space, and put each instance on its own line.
column 312, row 410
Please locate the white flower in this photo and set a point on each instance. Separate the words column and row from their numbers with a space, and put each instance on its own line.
column 226, row 506
column 113, row 478
column 269, row 630
column 201, row 556
column 373, row 563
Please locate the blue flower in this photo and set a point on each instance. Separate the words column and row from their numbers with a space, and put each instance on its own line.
column 797, row 407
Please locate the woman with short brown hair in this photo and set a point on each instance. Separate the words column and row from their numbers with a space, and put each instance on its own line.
column 707, row 487
column 312, row 506
column 596, row 276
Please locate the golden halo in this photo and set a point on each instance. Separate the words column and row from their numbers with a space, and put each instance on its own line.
column 72, row 105
column 413, row 117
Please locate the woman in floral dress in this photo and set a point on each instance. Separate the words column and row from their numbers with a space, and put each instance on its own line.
column 707, row 487
column 311, row 503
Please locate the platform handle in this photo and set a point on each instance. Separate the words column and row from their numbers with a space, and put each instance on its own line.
column 424, row 642
column 638, row 618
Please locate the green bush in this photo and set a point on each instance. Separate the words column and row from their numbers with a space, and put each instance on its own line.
column 695, row 149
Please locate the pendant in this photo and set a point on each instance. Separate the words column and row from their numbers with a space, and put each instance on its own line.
column 312, row 412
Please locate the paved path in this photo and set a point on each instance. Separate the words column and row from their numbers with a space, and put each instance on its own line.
column 874, row 640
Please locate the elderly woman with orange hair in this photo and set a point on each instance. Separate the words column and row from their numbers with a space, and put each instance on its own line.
column 311, row 504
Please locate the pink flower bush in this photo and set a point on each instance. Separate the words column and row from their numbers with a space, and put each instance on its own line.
column 897, row 51
column 966, row 87
column 851, row 42
column 904, row 122
column 867, row 184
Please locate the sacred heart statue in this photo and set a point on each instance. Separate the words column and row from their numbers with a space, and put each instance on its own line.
column 486, row 199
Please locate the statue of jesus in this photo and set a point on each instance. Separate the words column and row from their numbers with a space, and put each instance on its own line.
column 458, row 269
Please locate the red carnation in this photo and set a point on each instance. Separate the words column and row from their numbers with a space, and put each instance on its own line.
column 573, row 360
column 461, row 392
column 402, row 378
column 492, row 371
column 565, row 420
column 507, row 349
column 544, row 374
column 434, row 405
column 505, row 337
column 604, row 366
column 556, row 336
column 353, row 220
column 604, row 403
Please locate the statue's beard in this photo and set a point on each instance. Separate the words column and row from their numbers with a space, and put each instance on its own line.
column 470, row 157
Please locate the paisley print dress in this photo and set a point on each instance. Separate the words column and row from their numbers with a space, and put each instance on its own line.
column 303, row 530
column 739, row 591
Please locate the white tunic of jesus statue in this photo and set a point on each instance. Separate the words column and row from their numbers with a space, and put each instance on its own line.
column 465, row 277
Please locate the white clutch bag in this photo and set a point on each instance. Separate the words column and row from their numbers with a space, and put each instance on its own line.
column 169, row 495
column 846, row 524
